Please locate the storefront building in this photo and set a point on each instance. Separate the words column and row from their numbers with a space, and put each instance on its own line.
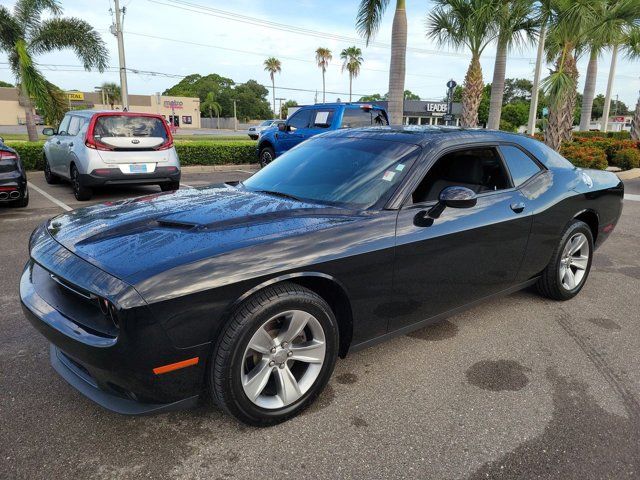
column 420, row 112
column 182, row 112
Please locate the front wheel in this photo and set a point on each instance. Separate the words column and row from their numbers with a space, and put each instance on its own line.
column 267, row 155
column 80, row 191
column 569, row 267
column 275, row 355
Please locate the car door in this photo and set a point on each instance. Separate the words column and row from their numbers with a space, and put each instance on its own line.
column 67, row 143
column 297, row 129
column 464, row 254
column 54, row 153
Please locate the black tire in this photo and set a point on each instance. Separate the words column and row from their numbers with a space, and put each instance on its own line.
column 550, row 284
column 49, row 176
column 267, row 155
column 253, row 137
column 80, row 191
column 227, row 360
column 170, row 187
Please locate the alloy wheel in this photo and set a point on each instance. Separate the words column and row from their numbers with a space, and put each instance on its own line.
column 574, row 261
column 265, row 158
column 283, row 359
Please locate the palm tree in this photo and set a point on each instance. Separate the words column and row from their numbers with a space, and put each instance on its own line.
column 615, row 19
column 24, row 35
column 211, row 105
column 516, row 26
column 633, row 53
column 351, row 62
column 323, row 58
column 367, row 22
column 470, row 24
column 543, row 15
column 112, row 93
column 570, row 25
column 273, row 66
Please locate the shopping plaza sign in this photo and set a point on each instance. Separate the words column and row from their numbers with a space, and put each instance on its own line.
column 436, row 109
column 75, row 96
column 173, row 104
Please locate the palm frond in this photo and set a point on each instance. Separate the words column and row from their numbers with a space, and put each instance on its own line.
column 323, row 57
column 73, row 33
column 632, row 44
column 54, row 106
column 558, row 85
column 28, row 12
column 31, row 80
column 369, row 17
column 10, row 30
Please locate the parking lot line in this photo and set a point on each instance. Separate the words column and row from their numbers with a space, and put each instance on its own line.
column 246, row 171
column 49, row 197
column 631, row 196
column 185, row 185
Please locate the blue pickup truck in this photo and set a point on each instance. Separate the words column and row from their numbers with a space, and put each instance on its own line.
column 311, row 120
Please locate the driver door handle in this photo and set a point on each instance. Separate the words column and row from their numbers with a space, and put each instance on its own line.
column 70, row 145
column 518, row 207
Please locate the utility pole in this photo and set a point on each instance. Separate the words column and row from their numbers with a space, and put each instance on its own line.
column 123, row 69
column 280, row 109
column 235, row 117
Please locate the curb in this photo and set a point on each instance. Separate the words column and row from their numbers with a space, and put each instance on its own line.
column 219, row 168
column 629, row 174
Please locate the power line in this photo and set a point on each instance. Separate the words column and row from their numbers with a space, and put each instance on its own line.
column 208, row 45
column 215, row 12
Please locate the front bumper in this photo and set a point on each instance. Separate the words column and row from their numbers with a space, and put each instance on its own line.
column 116, row 177
column 114, row 369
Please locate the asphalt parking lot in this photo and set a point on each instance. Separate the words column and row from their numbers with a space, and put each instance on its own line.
column 520, row 387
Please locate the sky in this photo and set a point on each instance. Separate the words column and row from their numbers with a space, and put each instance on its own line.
column 195, row 41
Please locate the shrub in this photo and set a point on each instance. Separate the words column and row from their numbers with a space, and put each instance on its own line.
column 624, row 135
column 189, row 152
column 585, row 157
column 626, row 158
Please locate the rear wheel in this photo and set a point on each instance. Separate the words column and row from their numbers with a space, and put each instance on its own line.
column 80, row 191
column 569, row 267
column 170, row 186
column 275, row 356
column 267, row 155
column 49, row 176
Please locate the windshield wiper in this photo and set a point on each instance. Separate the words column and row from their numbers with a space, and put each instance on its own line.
column 279, row 194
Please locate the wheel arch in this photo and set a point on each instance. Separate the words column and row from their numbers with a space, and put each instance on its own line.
column 592, row 219
column 327, row 287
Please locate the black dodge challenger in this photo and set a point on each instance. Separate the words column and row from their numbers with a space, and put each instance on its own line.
column 246, row 293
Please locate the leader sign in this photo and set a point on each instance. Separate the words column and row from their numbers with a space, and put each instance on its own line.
column 436, row 109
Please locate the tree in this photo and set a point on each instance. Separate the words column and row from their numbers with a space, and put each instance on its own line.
column 633, row 53
column 23, row 35
column 251, row 100
column 352, row 61
column 516, row 27
column 5, row 84
column 376, row 97
column 409, row 95
column 212, row 106
column 367, row 23
column 517, row 90
column 323, row 58
column 470, row 24
column 570, row 23
column 516, row 113
column 112, row 94
column 614, row 20
column 273, row 66
column 284, row 111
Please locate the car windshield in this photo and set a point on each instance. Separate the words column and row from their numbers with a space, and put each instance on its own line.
column 129, row 126
column 266, row 123
column 350, row 172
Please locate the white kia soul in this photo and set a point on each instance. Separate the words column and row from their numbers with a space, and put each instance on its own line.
column 99, row 148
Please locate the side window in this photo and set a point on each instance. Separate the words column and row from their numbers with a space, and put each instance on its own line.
column 64, row 125
column 300, row 119
column 521, row 166
column 74, row 126
column 360, row 117
column 322, row 118
column 479, row 169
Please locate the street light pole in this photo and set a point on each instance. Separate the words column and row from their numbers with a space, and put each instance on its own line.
column 123, row 69
column 235, row 117
column 280, row 109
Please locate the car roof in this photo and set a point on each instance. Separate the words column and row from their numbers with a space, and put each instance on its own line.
column 423, row 135
column 341, row 104
column 91, row 113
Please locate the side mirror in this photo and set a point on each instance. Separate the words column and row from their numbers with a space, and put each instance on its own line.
column 282, row 127
column 458, row 197
column 48, row 131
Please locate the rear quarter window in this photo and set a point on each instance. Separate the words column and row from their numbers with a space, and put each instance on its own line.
column 521, row 166
column 359, row 117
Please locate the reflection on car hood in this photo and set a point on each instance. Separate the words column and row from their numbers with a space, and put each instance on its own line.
column 154, row 233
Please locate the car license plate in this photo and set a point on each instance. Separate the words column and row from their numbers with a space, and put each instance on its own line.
column 139, row 168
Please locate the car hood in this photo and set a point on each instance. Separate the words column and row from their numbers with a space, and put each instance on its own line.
column 137, row 238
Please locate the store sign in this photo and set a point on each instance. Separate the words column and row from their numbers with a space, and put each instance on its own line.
column 173, row 104
column 75, row 96
column 436, row 109
column 618, row 119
